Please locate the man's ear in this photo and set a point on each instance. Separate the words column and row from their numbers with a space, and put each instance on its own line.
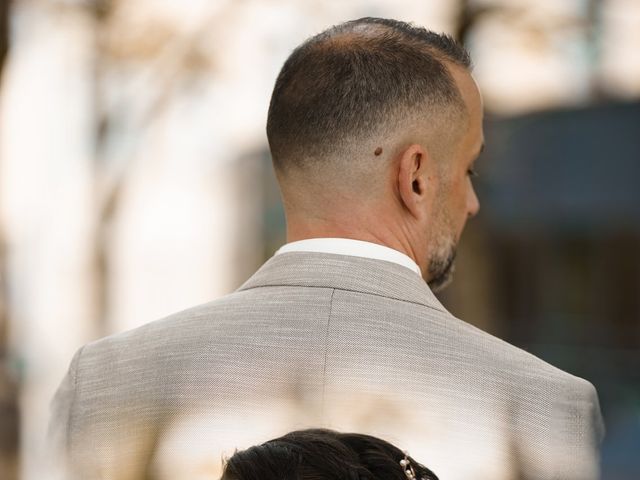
column 413, row 184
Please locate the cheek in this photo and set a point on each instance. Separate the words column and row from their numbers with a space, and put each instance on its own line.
column 459, row 195
column 451, row 209
column 459, row 205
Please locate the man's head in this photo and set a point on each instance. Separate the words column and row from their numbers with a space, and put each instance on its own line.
column 373, row 126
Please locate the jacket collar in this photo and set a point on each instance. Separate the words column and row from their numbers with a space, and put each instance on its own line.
column 344, row 272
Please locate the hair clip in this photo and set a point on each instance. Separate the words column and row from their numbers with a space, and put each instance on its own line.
column 407, row 468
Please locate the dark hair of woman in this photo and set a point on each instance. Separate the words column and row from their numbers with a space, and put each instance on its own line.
column 319, row 454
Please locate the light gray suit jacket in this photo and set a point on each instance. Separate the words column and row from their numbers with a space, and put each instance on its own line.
column 321, row 340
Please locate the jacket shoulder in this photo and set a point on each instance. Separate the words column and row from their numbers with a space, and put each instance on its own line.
column 178, row 331
column 520, row 362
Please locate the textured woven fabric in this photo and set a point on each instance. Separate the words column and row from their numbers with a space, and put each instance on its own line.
column 321, row 340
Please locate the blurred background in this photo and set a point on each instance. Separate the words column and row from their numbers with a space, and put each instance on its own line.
column 135, row 181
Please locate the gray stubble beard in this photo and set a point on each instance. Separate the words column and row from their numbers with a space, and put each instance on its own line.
column 441, row 270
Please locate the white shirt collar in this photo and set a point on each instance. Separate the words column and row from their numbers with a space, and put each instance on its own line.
column 354, row 248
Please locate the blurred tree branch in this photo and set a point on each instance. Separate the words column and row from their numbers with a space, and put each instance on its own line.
column 156, row 49
column 9, row 437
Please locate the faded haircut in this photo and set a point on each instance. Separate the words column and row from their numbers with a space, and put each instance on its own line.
column 356, row 79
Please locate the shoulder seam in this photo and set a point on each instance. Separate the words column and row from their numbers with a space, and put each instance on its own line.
column 326, row 349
